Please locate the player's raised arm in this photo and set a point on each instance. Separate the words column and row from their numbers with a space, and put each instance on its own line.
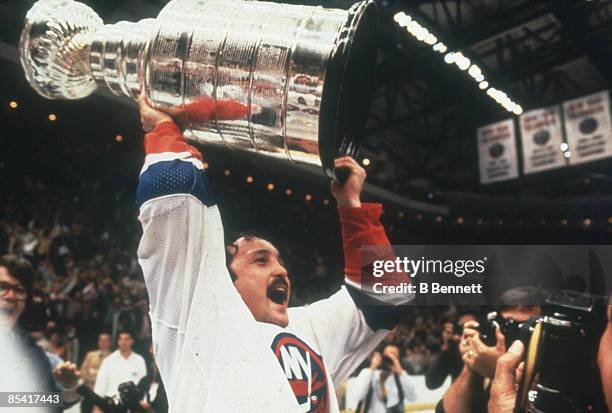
column 182, row 256
column 350, row 323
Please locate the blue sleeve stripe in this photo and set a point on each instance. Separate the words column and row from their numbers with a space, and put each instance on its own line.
column 173, row 177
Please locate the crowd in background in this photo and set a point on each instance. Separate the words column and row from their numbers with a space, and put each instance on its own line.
column 89, row 281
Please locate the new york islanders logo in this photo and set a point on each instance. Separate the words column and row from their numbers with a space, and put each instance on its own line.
column 305, row 372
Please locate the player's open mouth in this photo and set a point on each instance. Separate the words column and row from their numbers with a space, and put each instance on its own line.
column 278, row 291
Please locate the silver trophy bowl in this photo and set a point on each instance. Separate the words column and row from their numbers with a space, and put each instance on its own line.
column 284, row 81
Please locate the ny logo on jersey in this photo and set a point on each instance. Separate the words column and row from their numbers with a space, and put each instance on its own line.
column 305, row 372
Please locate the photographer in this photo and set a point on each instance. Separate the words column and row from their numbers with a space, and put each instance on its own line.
column 448, row 361
column 119, row 367
column 509, row 372
column 385, row 385
column 468, row 392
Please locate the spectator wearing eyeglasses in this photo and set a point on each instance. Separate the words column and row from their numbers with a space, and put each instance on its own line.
column 16, row 279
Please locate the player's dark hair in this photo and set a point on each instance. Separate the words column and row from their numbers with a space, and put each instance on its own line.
column 20, row 269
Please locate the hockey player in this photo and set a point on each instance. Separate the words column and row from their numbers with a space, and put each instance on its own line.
column 225, row 339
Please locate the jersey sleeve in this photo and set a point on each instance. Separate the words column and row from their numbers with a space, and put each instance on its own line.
column 349, row 325
column 182, row 256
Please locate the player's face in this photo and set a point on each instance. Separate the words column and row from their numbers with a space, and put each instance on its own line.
column 262, row 280
column 12, row 299
column 605, row 359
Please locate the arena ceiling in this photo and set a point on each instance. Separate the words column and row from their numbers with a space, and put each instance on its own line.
column 421, row 135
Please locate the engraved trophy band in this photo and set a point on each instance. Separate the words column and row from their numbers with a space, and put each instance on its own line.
column 286, row 81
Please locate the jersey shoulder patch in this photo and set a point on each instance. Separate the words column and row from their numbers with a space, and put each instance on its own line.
column 305, row 371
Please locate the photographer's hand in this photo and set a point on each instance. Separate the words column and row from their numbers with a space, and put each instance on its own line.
column 505, row 383
column 396, row 367
column 376, row 361
column 469, row 331
column 482, row 358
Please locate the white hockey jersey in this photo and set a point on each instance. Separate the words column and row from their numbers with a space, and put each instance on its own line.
column 212, row 354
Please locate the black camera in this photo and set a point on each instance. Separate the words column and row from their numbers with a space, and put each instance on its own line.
column 510, row 328
column 386, row 364
column 560, row 373
column 127, row 401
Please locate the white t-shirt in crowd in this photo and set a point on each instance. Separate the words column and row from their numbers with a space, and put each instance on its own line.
column 116, row 369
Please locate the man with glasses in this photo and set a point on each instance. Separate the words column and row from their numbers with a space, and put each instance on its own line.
column 16, row 279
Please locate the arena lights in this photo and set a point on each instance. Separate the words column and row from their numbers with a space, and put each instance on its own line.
column 52, row 117
column 440, row 47
column 422, row 34
column 503, row 99
column 13, row 104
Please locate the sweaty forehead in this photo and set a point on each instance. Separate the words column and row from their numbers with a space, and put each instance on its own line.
column 248, row 247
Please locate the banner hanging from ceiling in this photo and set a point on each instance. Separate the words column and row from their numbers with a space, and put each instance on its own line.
column 588, row 128
column 541, row 139
column 497, row 152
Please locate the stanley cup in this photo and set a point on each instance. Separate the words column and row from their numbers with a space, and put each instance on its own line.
column 286, row 81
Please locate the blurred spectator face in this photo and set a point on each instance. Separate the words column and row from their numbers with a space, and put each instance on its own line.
column 391, row 351
column 104, row 342
column 124, row 343
column 262, row 280
column 522, row 313
column 605, row 359
column 55, row 338
column 13, row 297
